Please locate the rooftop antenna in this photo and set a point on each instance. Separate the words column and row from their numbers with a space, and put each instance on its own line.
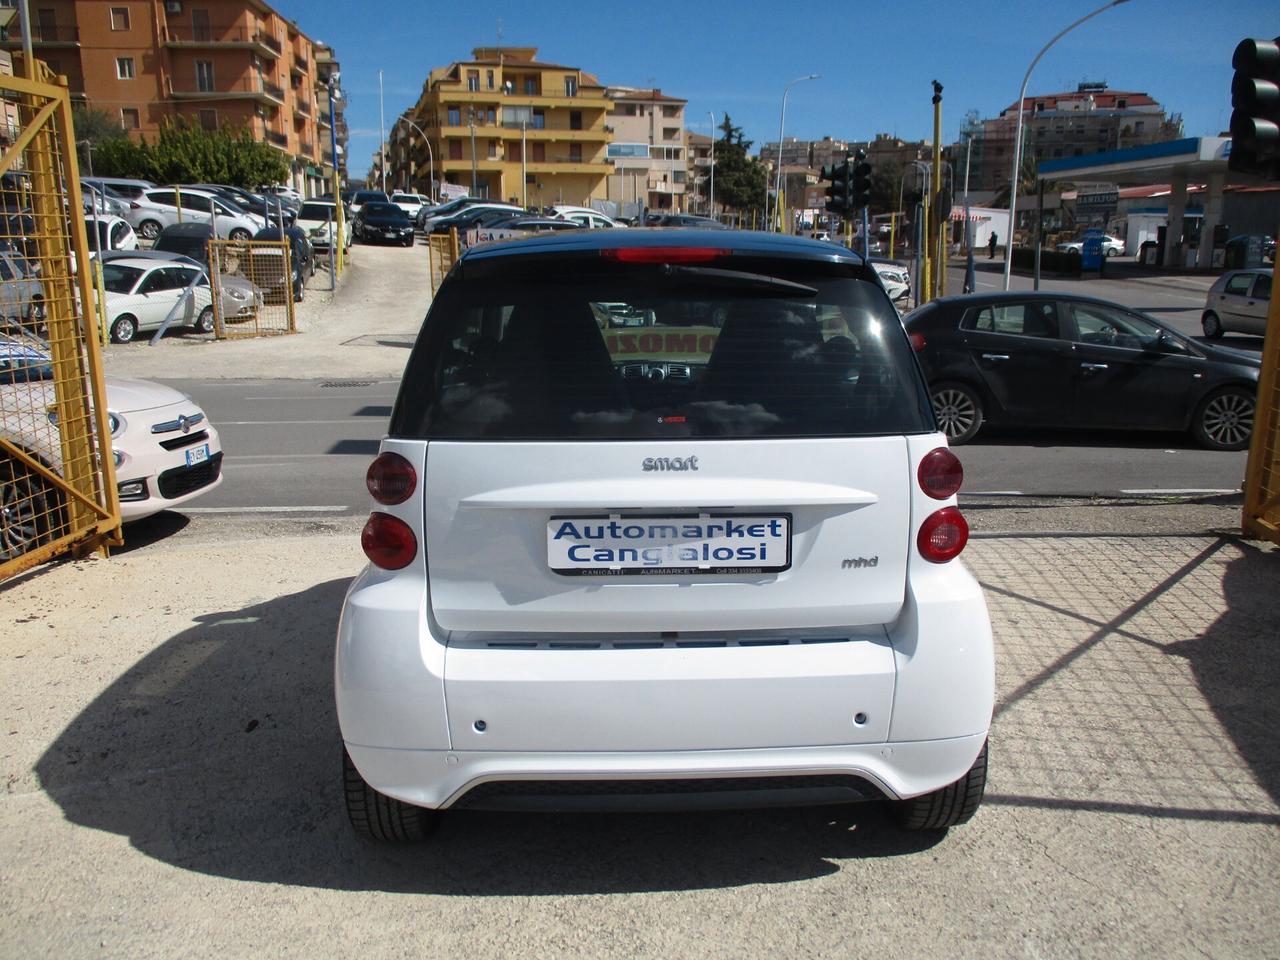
column 499, row 31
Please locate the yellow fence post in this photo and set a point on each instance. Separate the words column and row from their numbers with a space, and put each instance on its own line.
column 1261, row 515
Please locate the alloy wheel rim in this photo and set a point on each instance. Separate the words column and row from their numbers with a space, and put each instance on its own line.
column 1228, row 419
column 955, row 411
column 20, row 510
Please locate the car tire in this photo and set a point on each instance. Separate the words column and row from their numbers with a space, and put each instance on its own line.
column 204, row 322
column 407, row 243
column 378, row 817
column 298, row 290
column 1212, row 326
column 32, row 508
column 958, row 408
column 952, row 805
column 149, row 229
column 1112, row 252
column 239, row 235
column 1224, row 419
column 124, row 328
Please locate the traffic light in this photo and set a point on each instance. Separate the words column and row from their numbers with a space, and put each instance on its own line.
column 860, row 174
column 838, row 194
column 1255, row 118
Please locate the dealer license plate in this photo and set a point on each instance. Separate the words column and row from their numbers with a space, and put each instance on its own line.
column 392, row 233
column 695, row 544
column 197, row 455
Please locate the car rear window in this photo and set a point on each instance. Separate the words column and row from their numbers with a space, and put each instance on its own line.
column 570, row 350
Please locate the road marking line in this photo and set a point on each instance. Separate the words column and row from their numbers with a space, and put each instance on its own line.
column 373, row 421
column 321, row 509
column 290, row 456
column 330, row 396
column 1181, row 490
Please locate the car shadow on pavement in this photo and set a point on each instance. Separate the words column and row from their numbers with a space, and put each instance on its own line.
column 219, row 752
column 152, row 529
column 1237, row 660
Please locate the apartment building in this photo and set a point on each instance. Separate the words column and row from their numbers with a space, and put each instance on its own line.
column 648, row 152
column 217, row 63
column 1091, row 119
column 805, row 153
column 505, row 125
column 698, row 148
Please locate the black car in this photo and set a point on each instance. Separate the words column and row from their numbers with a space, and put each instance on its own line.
column 383, row 222
column 474, row 217
column 267, row 273
column 1055, row 360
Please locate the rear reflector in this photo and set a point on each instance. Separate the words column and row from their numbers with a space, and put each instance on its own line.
column 391, row 479
column 388, row 541
column 940, row 473
column 917, row 341
column 942, row 536
column 663, row 254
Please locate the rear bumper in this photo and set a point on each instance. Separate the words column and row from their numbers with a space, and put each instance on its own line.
column 444, row 778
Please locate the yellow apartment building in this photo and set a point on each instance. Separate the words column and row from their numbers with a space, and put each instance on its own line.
column 507, row 126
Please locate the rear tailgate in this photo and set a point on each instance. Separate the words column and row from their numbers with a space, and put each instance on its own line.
column 840, row 508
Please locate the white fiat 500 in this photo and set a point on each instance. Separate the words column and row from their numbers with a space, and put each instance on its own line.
column 710, row 559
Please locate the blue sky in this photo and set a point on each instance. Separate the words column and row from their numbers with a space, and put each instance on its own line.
column 738, row 57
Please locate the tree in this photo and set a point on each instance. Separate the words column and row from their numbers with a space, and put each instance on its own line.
column 741, row 180
column 886, row 177
column 96, row 126
column 187, row 154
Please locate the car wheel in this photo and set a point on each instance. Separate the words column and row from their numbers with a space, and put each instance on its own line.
column 298, row 290
column 407, row 243
column 1112, row 252
column 204, row 322
column 239, row 235
column 149, row 229
column 959, row 411
column 31, row 510
column 1213, row 328
column 379, row 817
column 949, row 806
column 123, row 328
column 1224, row 419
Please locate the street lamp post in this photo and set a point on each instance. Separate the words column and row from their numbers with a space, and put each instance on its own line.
column 335, row 266
column 782, row 120
column 1017, row 137
column 711, row 203
column 431, row 157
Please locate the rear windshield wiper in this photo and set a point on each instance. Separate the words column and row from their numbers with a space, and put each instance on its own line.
column 738, row 278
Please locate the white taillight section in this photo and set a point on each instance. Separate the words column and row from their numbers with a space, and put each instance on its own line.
column 391, row 479
column 388, row 541
column 940, row 474
column 943, row 535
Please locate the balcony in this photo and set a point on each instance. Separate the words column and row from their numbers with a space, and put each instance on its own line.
column 241, row 88
column 178, row 35
column 307, row 149
column 47, row 34
column 277, row 138
column 300, row 62
column 302, row 106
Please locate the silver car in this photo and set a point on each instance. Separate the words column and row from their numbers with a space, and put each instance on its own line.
column 21, row 294
column 161, row 207
column 1238, row 303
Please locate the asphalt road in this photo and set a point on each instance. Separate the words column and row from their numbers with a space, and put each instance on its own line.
column 302, row 446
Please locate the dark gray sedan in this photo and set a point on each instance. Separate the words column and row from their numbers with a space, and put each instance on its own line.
column 1056, row 360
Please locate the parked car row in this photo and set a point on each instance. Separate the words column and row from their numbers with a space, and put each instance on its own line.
column 237, row 213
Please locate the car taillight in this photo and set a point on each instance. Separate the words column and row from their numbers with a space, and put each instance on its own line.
column 942, row 536
column 388, row 541
column 663, row 254
column 391, row 479
column 940, row 474
column 134, row 205
column 918, row 341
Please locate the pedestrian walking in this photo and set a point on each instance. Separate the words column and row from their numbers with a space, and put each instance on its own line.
column 991, row 246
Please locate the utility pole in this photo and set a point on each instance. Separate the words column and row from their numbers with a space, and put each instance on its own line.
column 471, row 122
column 940, row 265
column 382, row 134
column 711, row 204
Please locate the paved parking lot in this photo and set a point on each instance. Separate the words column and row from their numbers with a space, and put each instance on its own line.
column 171, row 767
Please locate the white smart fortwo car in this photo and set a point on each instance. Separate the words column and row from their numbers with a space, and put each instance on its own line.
column 706, row 559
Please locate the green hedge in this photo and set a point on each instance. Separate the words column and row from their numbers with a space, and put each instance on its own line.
column 1051, row 261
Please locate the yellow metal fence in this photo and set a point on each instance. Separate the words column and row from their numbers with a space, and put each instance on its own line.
column 256, row 287
column 442, row 253
column 57, row 478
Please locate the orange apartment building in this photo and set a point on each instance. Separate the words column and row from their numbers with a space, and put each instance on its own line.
column 216, row 63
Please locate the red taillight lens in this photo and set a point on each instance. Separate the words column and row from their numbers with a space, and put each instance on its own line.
column 918, row 341
column 663, row 254
column 940, row 473
column 942, row 536
column 134, row 205
column 391, row 479
column 388, row 541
